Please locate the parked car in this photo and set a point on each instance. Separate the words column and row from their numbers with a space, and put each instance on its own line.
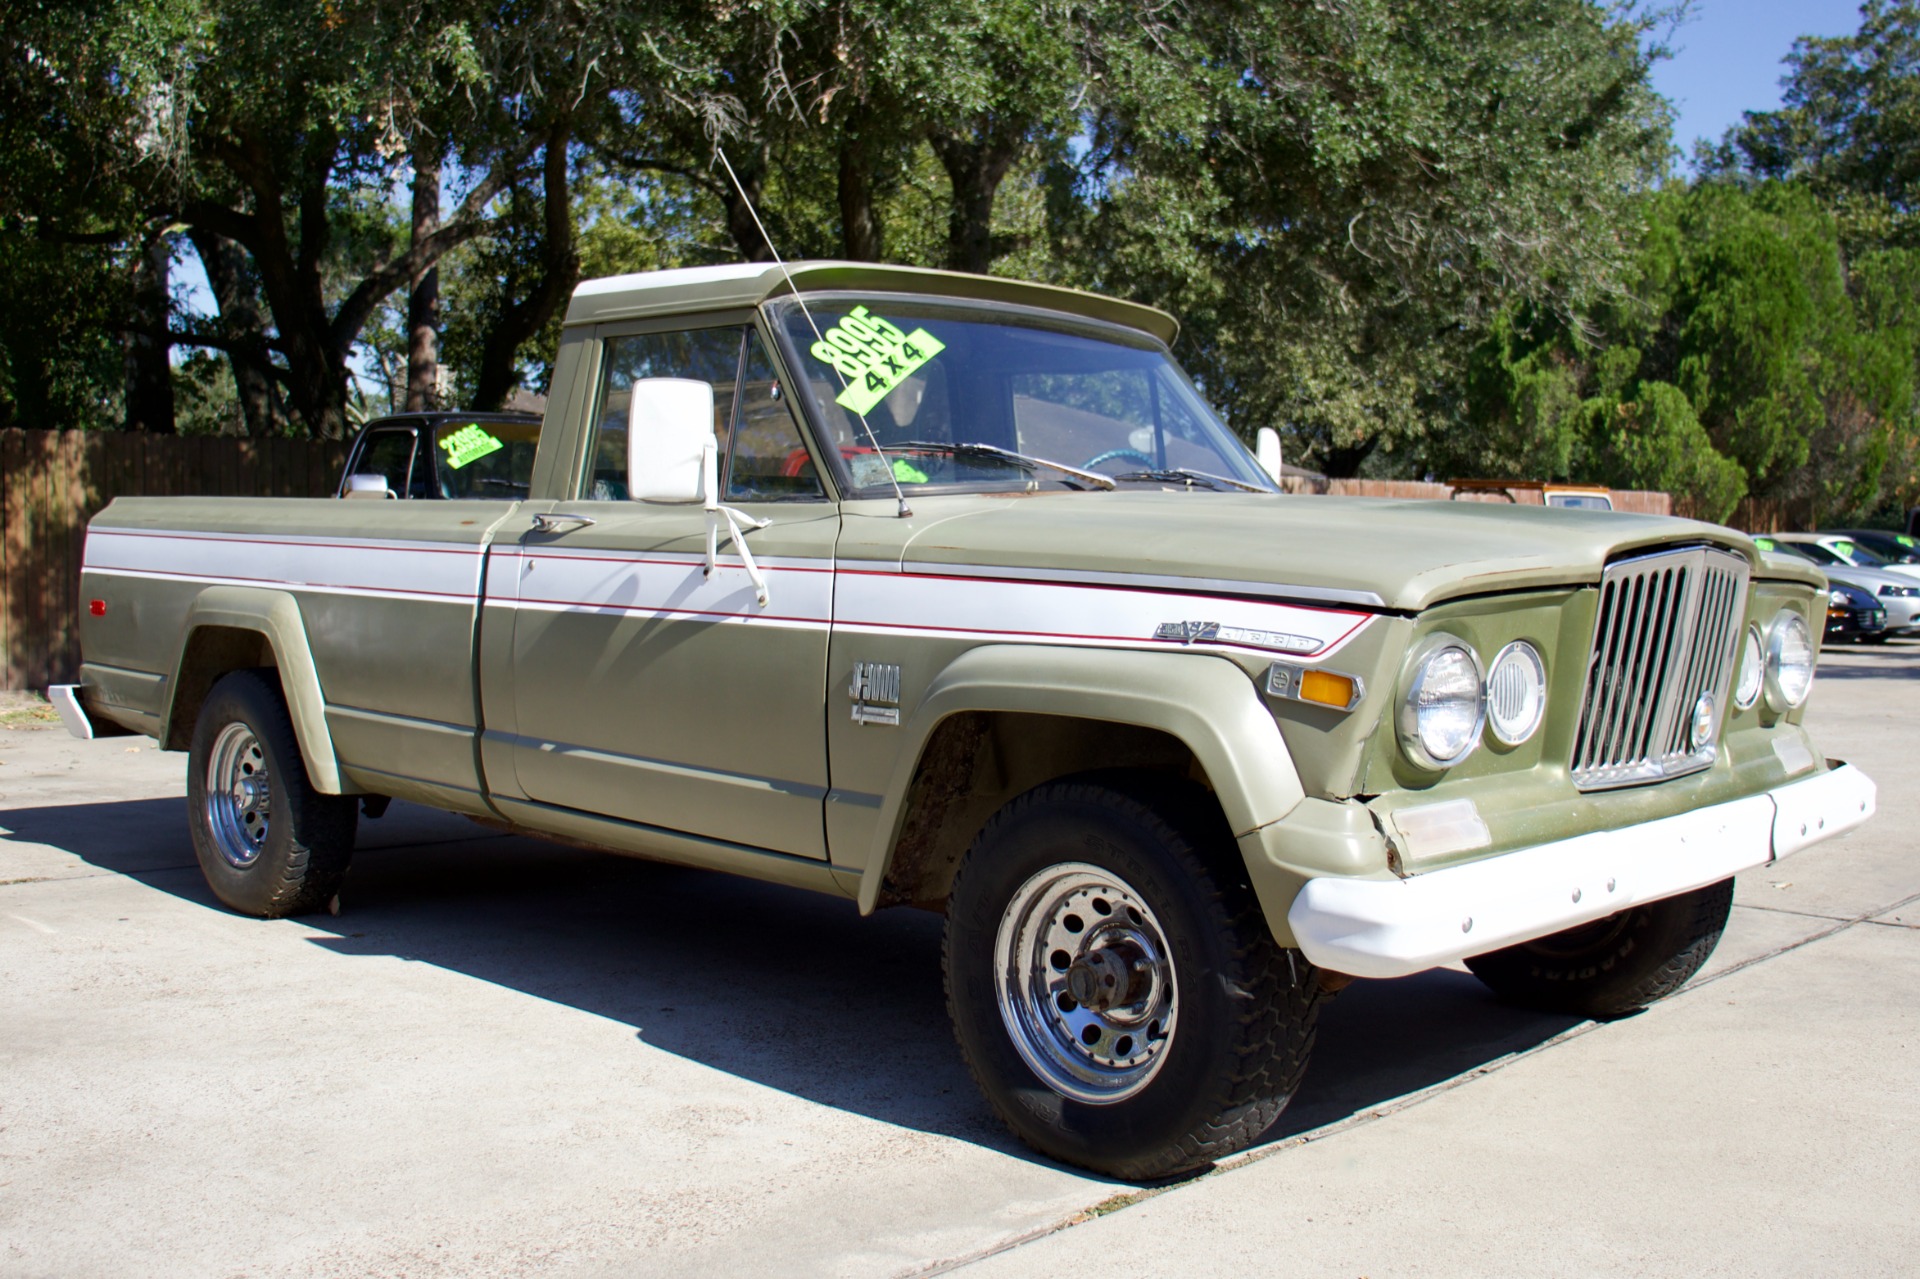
column 1895, row 548
column 1854, row 614
column 1845, row 550
column 926, row 589
column 448, row 456
column 1895, row 592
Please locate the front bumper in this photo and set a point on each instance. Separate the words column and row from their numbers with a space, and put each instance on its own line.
column 1389, row 928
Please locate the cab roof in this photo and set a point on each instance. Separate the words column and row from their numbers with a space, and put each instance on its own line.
column 742, row 285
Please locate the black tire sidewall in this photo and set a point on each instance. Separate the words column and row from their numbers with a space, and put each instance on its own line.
column 284, row 878
column 1182, row 1095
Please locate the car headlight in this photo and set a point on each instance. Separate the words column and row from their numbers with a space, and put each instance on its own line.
column 1444, row 703
column 1837, row 598
column 1790, row 658
column 1516, row 693
column 1753, row 670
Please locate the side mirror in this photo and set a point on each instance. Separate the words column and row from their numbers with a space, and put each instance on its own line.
column 374, row 486
column 1267, row 451
column 670, row 441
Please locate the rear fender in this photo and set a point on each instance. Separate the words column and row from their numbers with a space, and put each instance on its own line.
column 274, row 616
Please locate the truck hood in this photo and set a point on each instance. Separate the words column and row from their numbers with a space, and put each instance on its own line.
column 1382, row 553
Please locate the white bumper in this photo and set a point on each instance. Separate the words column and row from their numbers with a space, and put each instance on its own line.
column 1382, row 928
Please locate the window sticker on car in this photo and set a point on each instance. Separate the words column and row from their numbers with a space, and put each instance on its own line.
column 907, row 473
column 873, row 355
column 1843, row 549
column 469, row 444
column 1764, row 543
column 1904, row 540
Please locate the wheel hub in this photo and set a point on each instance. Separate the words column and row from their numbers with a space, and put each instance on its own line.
column 1085, row 982
column 239, row 795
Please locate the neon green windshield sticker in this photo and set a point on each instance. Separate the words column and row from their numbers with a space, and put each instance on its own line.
column 907, row 473
column 873, row 355
column 469, row 444
column 1904, row 540
column 1843, row 549
column 1764, row 543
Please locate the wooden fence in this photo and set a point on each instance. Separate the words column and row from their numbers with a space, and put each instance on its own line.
column 55, row 481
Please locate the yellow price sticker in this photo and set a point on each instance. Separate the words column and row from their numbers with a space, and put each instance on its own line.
column 469, row 444
column 873, row 355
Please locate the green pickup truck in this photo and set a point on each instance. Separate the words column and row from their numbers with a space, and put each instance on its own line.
column 935, row 590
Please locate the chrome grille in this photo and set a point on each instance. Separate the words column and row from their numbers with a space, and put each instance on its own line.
column 1667, row 633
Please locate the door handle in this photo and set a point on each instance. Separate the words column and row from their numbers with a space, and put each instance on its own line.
column 560, row 523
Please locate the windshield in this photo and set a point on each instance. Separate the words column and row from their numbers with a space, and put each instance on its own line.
column 1809, row 551
column 1854, row 553
column 961, row 396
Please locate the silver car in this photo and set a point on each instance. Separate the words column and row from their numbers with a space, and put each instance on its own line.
column 1898, row 593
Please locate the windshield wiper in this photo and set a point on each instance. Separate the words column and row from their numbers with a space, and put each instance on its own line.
column 1005, row 455
column 1192, row 477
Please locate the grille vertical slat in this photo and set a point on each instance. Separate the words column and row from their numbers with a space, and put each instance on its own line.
column 1665, row 634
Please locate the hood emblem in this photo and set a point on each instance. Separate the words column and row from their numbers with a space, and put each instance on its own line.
column 1215, row 633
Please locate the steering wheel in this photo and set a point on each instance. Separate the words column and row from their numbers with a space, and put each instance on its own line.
column 1111, row 454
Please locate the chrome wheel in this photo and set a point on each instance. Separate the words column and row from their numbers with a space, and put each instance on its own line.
column 239, row 797
column 1085, row 983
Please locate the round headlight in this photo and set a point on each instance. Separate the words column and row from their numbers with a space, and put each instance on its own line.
column 1753, row 670
column 1516, row 693
column 1789, row 661
column 1837, row 597
column 1444, row 704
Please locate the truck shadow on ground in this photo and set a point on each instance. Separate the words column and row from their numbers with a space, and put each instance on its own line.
column 778, row 986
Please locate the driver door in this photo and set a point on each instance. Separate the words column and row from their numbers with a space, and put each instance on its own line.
column 647, row 690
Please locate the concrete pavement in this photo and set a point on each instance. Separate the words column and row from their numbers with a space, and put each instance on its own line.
column 504, row 1057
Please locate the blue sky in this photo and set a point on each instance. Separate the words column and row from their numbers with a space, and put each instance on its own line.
column 1728, row 59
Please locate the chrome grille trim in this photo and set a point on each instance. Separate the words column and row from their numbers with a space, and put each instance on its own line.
column 1667, row 629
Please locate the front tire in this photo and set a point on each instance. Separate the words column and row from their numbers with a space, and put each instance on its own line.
column 1613, row 966
column 269, row 844
column 1115, row 990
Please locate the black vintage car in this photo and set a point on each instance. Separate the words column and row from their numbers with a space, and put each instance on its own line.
column 443, row 455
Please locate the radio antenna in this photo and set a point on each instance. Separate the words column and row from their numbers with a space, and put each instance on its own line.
column 886, row 462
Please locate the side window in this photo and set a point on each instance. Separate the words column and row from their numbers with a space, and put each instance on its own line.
column 710, row 355
column 389, row 452
column 766, row 460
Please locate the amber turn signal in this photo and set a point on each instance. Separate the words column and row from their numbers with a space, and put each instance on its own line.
column 1327, row 688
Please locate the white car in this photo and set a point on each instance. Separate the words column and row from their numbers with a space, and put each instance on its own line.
column 1898, row 593
column 1846, row 550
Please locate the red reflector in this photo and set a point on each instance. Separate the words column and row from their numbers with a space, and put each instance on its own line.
column 97, row 607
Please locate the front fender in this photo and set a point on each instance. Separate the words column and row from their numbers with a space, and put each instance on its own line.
column 1205, row 701
column 276, row 616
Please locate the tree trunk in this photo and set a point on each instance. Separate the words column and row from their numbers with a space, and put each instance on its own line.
column 149, row 368
column 423, row 303
column 242, row 324
column 522, row 319
column 859, row 222
column 976, row 164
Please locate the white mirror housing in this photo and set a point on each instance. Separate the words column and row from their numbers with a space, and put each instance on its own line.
column 1267, row 451
column 670, row 441
column 364, row 485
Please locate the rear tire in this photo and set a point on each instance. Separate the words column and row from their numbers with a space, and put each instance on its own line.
column 269, row 844
column 1613, row 966
column 1193, row 1027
